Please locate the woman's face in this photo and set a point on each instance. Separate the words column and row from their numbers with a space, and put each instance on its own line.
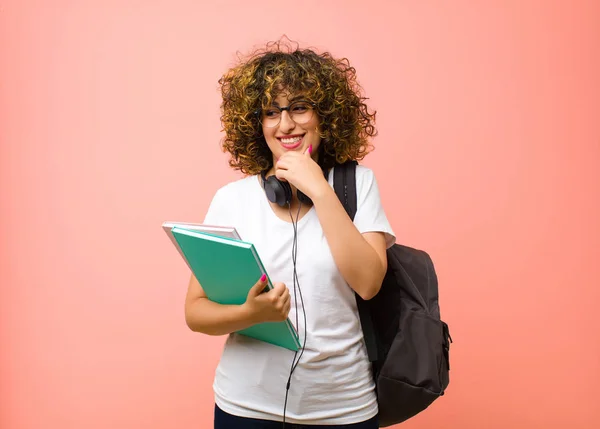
column 290, row 130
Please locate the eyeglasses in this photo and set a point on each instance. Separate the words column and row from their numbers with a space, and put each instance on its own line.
column 300, row 112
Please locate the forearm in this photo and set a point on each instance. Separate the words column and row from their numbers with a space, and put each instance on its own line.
column 208, row 317
column 357, row 260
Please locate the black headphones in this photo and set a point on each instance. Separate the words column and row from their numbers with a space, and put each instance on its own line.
column 280, row 192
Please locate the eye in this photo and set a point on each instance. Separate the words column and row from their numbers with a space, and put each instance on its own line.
column 301, row 107
column 270, row 113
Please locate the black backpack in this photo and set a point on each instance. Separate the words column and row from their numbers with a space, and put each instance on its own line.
column 407, row 342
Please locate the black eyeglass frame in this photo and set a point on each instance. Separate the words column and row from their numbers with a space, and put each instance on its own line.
column 258, row 112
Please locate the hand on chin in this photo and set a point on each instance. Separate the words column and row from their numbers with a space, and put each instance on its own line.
column 300, row 170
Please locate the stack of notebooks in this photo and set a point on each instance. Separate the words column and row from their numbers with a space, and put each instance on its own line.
column 227, row 267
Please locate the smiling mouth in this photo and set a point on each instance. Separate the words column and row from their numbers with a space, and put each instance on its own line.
column 291, row 142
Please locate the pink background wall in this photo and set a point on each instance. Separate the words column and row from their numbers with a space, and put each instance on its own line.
column 487, row 157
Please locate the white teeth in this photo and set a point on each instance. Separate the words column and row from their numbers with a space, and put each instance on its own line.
column 292, row 140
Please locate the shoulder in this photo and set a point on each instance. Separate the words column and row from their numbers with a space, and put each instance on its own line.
column 364, row 173
column 366, row 180
column 367, row 188
column 229, row 198
column 371, row 215
column 235, row 189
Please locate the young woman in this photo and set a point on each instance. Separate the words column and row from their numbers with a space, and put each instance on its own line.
column 292, row 115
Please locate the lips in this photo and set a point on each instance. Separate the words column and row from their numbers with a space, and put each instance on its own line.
column 291, row 142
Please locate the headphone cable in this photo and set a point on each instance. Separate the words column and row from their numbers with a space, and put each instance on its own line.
column 296, row 283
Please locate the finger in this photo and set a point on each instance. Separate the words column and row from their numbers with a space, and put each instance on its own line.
column 286, row 292
column 283, row 161
column 279, row 289
column 259, row 286
column 281, row 174
column 289, row 158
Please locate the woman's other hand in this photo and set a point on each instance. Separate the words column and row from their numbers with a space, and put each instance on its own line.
column 267, row 306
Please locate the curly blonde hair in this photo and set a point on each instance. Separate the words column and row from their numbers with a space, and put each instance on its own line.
column 344, row 119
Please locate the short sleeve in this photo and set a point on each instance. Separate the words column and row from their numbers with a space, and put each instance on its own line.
column 370, row 215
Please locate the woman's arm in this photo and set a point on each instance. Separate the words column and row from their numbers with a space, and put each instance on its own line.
column 208, row 317
column 361, row 258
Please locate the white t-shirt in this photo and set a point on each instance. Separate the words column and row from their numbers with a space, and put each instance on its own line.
column 332, row 383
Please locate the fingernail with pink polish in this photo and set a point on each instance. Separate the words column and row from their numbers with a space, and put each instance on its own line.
column 263, row 278
column 310, row 149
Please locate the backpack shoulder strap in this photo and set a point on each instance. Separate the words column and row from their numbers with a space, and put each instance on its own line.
column 344, row 184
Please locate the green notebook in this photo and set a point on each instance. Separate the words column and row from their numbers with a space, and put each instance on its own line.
column 227, row 269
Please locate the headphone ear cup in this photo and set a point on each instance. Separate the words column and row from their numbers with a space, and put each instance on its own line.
column 303, row 198
column 277, row 191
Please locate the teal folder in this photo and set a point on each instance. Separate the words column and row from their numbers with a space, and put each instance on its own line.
column 227, row 269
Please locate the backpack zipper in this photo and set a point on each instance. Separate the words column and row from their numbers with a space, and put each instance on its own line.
column 345, row 191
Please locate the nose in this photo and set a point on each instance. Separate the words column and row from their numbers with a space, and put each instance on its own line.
column 286, row 124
